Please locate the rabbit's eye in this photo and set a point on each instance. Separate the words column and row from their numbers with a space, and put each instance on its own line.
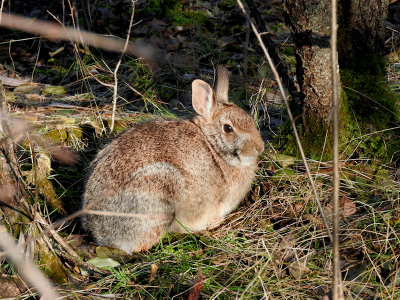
column 228, row 128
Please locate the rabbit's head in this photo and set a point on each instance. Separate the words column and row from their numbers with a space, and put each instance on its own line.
column 228, row 128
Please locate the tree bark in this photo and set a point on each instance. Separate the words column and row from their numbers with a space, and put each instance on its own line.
column 361, row 49
column 362, row 30
column 309, row 23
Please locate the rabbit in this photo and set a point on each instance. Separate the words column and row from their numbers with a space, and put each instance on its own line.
column 173, row 175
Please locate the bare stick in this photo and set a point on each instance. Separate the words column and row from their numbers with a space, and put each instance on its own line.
column 337, row 286
column 54, row 31
column 26, row 269
column 115, row 94
column 126, row 215
column 279, row 82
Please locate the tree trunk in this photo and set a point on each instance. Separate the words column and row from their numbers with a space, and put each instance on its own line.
column 309, row 23
column 362, row 30
column 361, row 39
column 363, row 67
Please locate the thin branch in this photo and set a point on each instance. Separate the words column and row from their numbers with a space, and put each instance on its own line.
column 115, row 94
column 53, row 31
column 337, row 286
column 71, row 254
column 126, row 215
column 279, row 82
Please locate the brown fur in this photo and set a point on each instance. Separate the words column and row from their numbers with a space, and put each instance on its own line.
column 191, row 171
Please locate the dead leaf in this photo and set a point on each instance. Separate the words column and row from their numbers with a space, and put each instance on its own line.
column 12, row 82
column 286, row 249
column 299, row 269
column 298, row 207
column 102, row 263
column 27, row 88
column 226, row 40
column 195, row 290
column 316, row 220
column 7, row 191
column 347, row 207
column 55, row 90
column 11, row 286
column 153, row 271
column 112, row 252
column 282, row 159
column 74, row 240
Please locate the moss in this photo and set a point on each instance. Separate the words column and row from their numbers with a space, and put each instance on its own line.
column 76, row 133
column 372, row 107
column 64, row 134
column 290, row 61
column 57, row 135
column 314, row 139
column 311, row 141
column 370, row 98
column 174, row 10
column 189, row 18
column 279, row 27
column 225, row 4
column 288, row 54
column 51, row 266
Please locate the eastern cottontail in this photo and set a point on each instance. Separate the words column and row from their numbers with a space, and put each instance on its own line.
column 173, row 175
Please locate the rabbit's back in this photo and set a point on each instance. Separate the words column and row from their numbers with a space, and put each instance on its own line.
column 175, row 148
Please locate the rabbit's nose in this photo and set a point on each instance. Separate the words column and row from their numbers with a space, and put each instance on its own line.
column 253, row 147
column 259, row 145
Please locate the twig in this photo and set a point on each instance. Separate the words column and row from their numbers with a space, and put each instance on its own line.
column 279, row 82
column 72, row 255
column 54, row 31
column 126, row 215
column 337, row 285
column 26, row 268
column 246, row 54
column 115, row 93
column 54, row 226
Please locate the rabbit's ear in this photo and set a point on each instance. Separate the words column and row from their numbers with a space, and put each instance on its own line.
column 222, row 84
column 202, row 98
